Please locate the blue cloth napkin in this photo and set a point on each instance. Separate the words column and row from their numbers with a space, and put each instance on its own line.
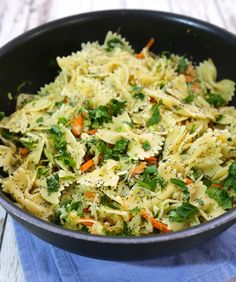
column 215, row 261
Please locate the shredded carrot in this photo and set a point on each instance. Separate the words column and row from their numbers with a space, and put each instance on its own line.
column 87, row 165
column 86, row 221
column 23, row 152
column 139, row 56
column 218, row 185
column 189, row 78
column 151, row 160
column 89, row 194
column 78, row 126
column 155, row 223
column 86, row 209
column 188, row 181
column 195, row 86
column 152, row 100
column 92, row 131
column 150, row 43
column 139, row 168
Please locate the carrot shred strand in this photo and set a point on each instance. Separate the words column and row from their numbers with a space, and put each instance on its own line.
column 155, row 223
column 150, row 43
column 84, row 167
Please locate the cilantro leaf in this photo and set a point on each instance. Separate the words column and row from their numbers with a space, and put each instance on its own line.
column 220, row 196
column 120, row 148
column 150, row 178
column 62, row 120
column 117, row 107
column 137, row 92
column 60, row 145
column 189, row 99
column 182, row 185
column 116, row 152
column 230, row 181
column 52, row 183
column 39, row 120
column 182, row 66
column 155, row 118
column 99, row 115
column 114, row 43
column 146, row 145
column 2, row 115
column 185, row 212
column 139, row 96
column 215, row 99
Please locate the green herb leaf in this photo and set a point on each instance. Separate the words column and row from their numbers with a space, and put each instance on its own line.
column 62, row 120
column 197, row 173
column 182, row 66
column 2, row 115
column 120, row 148
column 139, row 96
column 230, row 181
column 220, row 196
column 183, row 213
column 99, row 115
column 182, row 185
column 59, row 104
column 42, row 171
column 117, row 107
column 53, row 183
column 39, row 120
column 215, row 99
column 189, row 99
column 155, row 118
column 146, row 145
column 114, row 43
column 150, row 178
column 219, row 117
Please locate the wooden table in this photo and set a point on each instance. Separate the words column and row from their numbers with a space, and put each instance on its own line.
column 17, row 16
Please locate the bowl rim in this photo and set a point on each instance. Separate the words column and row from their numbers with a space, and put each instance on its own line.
column 228, row 218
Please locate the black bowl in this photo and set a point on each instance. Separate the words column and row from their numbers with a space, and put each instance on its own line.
column 31, row 57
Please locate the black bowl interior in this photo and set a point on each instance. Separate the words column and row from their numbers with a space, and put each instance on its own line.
column 29, row 62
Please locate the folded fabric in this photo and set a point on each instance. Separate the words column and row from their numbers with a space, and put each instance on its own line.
column 214, row 261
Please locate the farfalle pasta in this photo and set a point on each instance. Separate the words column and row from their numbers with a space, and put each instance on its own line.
column 123, row 143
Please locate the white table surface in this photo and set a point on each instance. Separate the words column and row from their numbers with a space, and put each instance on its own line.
column 17, row 16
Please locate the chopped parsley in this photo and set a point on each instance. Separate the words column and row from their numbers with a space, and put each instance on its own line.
column 60, row 145
column 42, row 171
column 137, row 92
column 62, row 120
column 39, row 120
column 219, row 117
column 185, row 212
column 52, row 183
column 189, row 99
column 220, row 196
column 99, row 115
column 215, row 99
column 59, row 104
column 139, row 96
column 114, row 43
column 150, row 178
column 146, row 145
column 75, row 206
column 230, row 181
column 103, row 114
column 182, row 66
column 155, row 118
column 2, row 115
column 182, row 185
column 116, row 152
column 117, row 107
